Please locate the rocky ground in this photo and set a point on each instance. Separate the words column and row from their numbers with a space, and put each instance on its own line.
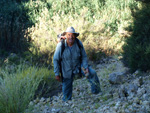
column 123, row 92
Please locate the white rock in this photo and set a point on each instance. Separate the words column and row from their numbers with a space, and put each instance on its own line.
column 140, row 91
column 145, row 97
column 55, row 110
column 36, row 100
column 146, row 104
column 42, row 99
column 132, row 88
column 66, row 104
column 31, row 103
column 138, row 81
column 116, row 78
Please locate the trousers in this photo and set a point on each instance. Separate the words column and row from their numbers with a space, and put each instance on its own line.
column 67, row 84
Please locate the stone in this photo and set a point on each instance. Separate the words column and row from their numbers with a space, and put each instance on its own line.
column 136, row 100
column 48, row 100
column 116, row 78
column 141, row 91
column 99, row 66
column 72, row 106
column 36, row 100
column 123, row 92
column 31, row 103
column 133, row 96
column 145, row 97
column 132, row 88
column 135, row 73
column 55, row 110
column 55, row 98
column 146, row 104
column 143, row 110
column 115, row 95
column 42, row 99
column 66, row 104
column 138, row 81
column 118, row 104
column 123, row 99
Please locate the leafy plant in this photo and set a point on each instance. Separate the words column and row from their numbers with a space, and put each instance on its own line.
column 32, row 26
column 17, row 89
column 137, row 47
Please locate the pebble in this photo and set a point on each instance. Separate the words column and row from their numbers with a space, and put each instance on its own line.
column 135, row 97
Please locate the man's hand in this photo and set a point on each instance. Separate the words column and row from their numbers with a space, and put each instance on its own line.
column 86, row 71
column 58, row 78
column 59, row 39
column 63, row 37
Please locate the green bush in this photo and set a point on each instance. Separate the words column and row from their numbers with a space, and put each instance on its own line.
column 33, row 25
column 13, row 22
column 137, row 47
column 100, row 29
column 17, row 88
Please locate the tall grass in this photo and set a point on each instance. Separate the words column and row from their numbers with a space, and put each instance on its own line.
column 101, row 25
column 18, row 88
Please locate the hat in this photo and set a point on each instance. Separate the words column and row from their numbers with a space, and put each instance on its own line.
column 71, row 30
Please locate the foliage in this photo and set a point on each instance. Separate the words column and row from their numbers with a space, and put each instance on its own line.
column 137, row 47
column 98, row 26
column 18, row 86
column 30, row 27
column 13, row 22
column 101, row 31
column 16, row 90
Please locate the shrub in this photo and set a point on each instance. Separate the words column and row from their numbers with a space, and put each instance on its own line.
column 17, row 88
column 13, row 22
column 100, row 29
column 137, row 47
column 101, row 33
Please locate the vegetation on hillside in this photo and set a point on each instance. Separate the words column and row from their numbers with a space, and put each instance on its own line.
column 137, row 46
column 33, row 26
column 28, row 39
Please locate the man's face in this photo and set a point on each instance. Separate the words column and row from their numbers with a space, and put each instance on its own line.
column 70, row 38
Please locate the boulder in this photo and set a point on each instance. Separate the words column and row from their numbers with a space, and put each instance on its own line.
column 117, row 78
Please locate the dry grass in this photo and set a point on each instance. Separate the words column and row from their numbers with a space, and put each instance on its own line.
column 96, row 37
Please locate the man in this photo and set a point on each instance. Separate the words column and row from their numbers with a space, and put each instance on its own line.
column 72, row 58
